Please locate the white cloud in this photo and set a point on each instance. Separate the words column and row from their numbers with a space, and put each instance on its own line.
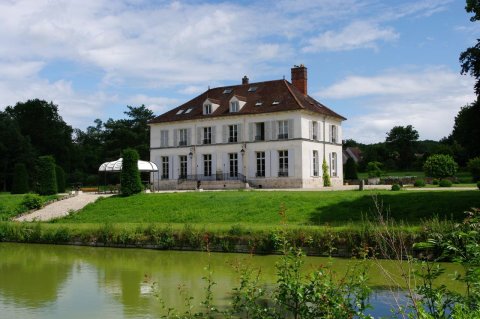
column 427, row 98
column 357, row 35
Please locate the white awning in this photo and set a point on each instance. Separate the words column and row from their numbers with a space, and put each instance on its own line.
column 116, row 166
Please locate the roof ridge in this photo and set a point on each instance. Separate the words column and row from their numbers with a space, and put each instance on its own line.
column 293, row 95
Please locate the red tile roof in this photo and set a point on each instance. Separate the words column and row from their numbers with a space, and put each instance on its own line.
column 286, row 94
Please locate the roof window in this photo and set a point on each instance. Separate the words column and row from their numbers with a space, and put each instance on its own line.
column 275, row 103
column 188, row 111
column 252, row 89
column 179, row 112
column 227, row 91
column 258, row 104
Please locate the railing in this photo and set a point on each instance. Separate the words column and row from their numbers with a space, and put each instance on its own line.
column 214, row 177
column 207, row 141
column 282, row 136
column 315, row 173
column 232, row 139
column 260, row 174
column 283, row 173
column 182, row 143
column 164, row 176
column 259, row 138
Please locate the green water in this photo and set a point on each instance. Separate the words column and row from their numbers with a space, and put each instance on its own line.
column 46, row 281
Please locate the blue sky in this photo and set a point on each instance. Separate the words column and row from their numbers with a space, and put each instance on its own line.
column 378, row 63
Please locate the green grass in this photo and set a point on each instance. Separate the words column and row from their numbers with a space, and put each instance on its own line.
column 10, row 204
column 262, row 208
column 463, row 176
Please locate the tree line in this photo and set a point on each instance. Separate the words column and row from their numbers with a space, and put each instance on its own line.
column 32, row 129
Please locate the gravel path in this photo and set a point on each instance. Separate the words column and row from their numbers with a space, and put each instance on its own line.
column 61, row 208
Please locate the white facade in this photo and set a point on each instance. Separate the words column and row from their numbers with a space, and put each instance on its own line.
column 269, row 150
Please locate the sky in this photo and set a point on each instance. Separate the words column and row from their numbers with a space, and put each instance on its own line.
column 378, row 63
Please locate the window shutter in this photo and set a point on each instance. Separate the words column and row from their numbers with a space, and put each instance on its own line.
column 166, row 138
column 189, row 136
column 213, row 135
column 291, row 163
column 330, row 163
column 224, row 133
column 240, row 133
column 268, row 131
column 274, row 130
column 319, row 131
column 199, row 135
column 290, row 128
column 310, row 136
column 175, row 137
column 251, row 136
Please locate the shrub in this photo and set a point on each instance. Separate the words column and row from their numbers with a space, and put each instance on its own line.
column 325, row 174
column 130, row 177
column 396, row 187
column 478, row 185
column 20, row 179
column 440, row 166
column 445, row 183
column 350, row 169
column 32, row 201
column 435, row 182
column 47, row 180
column 373, row 169
column 60, row 174
column 474, row 168
column 419, row 183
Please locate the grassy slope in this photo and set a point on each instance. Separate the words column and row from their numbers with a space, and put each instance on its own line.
column 255, row 207
column 10, row 204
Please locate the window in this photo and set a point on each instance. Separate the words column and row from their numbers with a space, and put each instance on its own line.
column 234, row 106
column 333, row 134
column 207, row 135
column 207, row 164
column 165, row 167
column 207, row 109
column 314, row 130
column 227, row 91
column 275, row 103
column 282, row 163
column 260, row 164
column 232, row 133
column 282, row 130
column 183, row 167
column 233, row 164
column 188, row 111
column 163, row 138
column 258, row 104
column 252, row 89
column 259, row 131
column 182, row 133
column 315, row 163
column 334, row 164
column 179, row 112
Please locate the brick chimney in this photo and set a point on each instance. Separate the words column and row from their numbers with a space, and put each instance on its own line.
column 299, row 78
column 245, row 80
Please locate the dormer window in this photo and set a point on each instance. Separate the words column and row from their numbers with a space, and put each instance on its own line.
column 207, row 109
column 188, row 111
column 227, row 91
column 252, row 89
column 234, row 106
column 258, row 104
column 275, row 103
column 179, row 112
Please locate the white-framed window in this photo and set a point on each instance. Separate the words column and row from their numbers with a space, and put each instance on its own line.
column 315, row 130
column 182, row 174
column 315, row 163
column 234, row 106
column 233, row 133
column 283, row 163
column 207, row 164
column 283, row 130
column 163, row 138
column 233, row 164
column 207, row 135
column 182, row 136
column 260, row 164
column 333, row 165
column 333, row 134
column 165, row 167
column 260, row 131
column 207, row 109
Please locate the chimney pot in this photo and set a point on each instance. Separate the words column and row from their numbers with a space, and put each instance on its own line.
column 245, row 80
column 299, row 78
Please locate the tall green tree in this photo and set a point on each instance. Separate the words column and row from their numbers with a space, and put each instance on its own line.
column 402, row 140
column 48, row 133
column 350, row 170
column 47, row 179
column 20, row 179
column 466, row 130
column 470, row 58
column 130, row 182
column 60, row 176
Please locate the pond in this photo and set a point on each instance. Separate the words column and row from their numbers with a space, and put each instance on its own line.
column 48, row 281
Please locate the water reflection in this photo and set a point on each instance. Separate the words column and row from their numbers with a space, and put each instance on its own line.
column 44, row 281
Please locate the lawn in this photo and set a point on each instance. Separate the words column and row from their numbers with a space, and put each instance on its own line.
column 10, row 204
column 262, row 208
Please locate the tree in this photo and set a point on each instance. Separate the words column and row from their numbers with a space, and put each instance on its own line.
column 40, row 122
column 470, row 58
column 440, row 166
column 402, row 140
column 60, row 175
column 47, row 180
column 325, row 174
column 474, row 168
column 20, row 179
column 466, row 130
column 130, row 176
column 373, row 169
column 351, row 169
